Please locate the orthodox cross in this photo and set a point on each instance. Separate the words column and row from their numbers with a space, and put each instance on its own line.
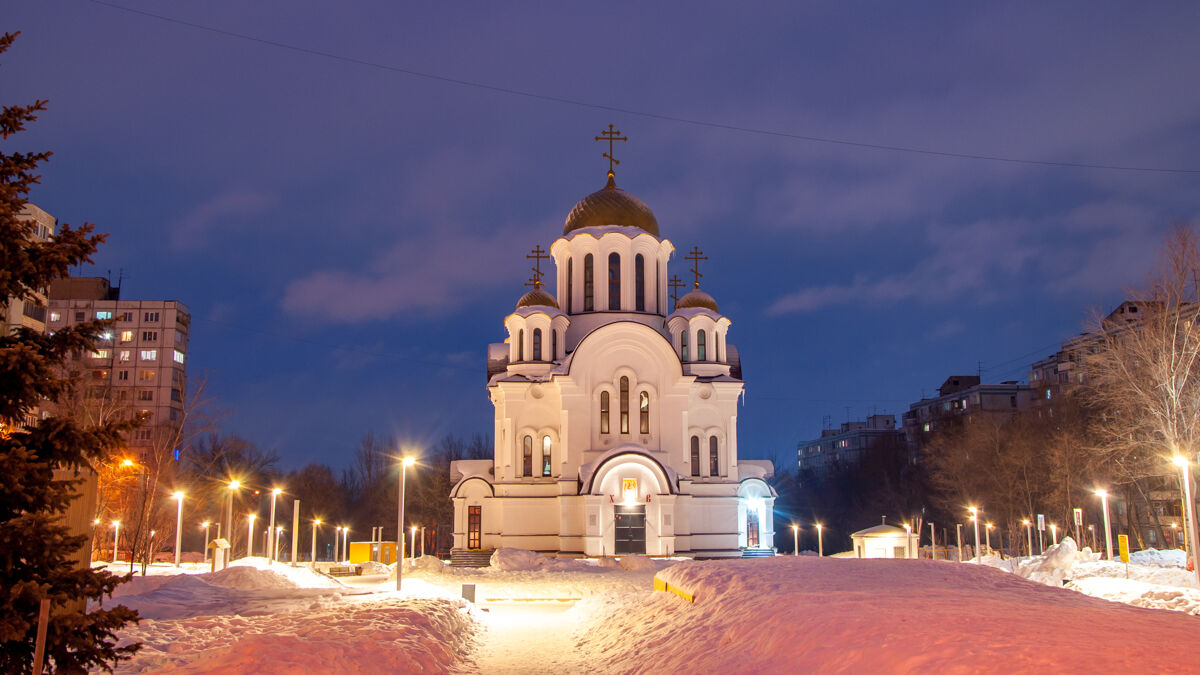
column 676, row 283
column 610, row 135
column 696, row 255
column 537, row 255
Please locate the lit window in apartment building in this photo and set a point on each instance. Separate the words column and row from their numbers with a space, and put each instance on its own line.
column 126, row 316
column 123, row 375
column 178, row 356
column 55, row 316
column 100, row 374
column 149, row 336
column 101, row 354
column 150, row 316
column 145, row 395
column 149, row 354
column 124, row 355
column 103, row 315
column 126, row 336
column 146, row 375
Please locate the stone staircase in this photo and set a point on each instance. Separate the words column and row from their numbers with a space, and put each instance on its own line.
column 461, row 557
column 758, row 553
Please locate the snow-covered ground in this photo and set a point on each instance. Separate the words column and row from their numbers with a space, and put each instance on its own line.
column 783, row 614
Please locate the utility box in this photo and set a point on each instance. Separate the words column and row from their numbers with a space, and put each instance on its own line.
column 468, row 592
column 219, row 549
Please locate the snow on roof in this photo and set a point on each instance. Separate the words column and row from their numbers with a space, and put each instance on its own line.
column 880, row 531
column 756, row 468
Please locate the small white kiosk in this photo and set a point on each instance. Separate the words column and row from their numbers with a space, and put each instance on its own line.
column 220, row 554
column 884, row 541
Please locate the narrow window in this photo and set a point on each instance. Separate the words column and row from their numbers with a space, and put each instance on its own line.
column 714, row 468
column 604, row 426
column 717, row 340
column 527, row 462
column 545, row 455
column 695, row 455
column 521, row 345
column 639, row 283
column 553, row 344
column 624, row 405
column 701, row 355
column 570, row 286
column 683, row 345
column 657, row 288
column 537, row 344
column 644, row 412
column 588, row 285
column 614, row 281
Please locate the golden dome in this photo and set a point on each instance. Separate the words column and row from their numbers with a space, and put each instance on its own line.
column 697, row 298
column 611, row 206
column 537, row 298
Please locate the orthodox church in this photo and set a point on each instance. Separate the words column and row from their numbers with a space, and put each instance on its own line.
column 615, row 419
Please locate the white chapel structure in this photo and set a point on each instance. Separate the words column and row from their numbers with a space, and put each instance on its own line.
column 615, row 414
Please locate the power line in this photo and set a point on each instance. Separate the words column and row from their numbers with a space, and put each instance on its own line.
column 639, row 113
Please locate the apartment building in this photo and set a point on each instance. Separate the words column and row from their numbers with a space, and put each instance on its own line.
column 31, row 312
column 846, row 445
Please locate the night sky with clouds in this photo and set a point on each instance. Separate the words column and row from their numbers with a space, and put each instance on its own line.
column 349, row 232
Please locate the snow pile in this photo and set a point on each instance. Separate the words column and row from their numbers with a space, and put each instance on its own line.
column 1150, row 556
column 637, row 563
column 882, row 615
column 244, row 578
column 409, row 635
column 373, row 567
column 517, row 560
column 429, row 563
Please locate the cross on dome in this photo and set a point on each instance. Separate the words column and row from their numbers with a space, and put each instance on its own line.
column 676, row 283
column 611, row 135
column 537, row 255
column 696, row 255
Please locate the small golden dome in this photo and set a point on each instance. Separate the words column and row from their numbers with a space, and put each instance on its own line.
column 537, row 298
column 697, row 298
column 611, row 206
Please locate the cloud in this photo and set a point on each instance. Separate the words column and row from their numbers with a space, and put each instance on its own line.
column 232, row 208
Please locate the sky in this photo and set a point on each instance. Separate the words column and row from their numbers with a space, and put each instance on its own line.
column 343, row 193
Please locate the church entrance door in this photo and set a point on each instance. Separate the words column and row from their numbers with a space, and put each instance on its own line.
column 751, row 528
column 629, row 530
column 474, row 526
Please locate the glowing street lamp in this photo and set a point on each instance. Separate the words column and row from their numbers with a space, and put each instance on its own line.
column 975, row 519
column 233, row 487
column 1103, row 495
column 795, row 539
column 178, row 525
column 820, row 542
column 250, row 535
column 1054, row 535
column 272, row 553
column 116, row 539
column 1190, row 528
column 1029, row 533
column 404, row 464
column 346, row 543
column 205, row 525
column 313, row 560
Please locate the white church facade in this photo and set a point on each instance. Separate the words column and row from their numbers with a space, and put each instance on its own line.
column 615, row 420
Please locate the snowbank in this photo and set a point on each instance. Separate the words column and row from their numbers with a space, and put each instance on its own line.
column 517, row 560
column 637, row 563
column 1150, row 556
column 882, row 615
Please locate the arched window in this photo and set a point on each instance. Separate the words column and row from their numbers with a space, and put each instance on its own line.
column 546, row 455
column 657, row 288
column 695, row 455
column 639, row 283
column 553, row 345
column 714, row 465
column 614, row 281
column 624, row 405
column 588, row 284
column 521, row 345
column 683, row 345
column 570, row 286
column 527, row 457
column 701, row 354
column 644, row 412
column 604, row 408
column 537, row 344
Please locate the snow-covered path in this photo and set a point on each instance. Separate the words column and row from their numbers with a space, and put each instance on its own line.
column 528, row 638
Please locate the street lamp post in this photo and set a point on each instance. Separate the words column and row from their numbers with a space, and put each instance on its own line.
column 1174, row 533
column 908, row 552
column 958, row 538
column 272, row 554
column 250, row 536
column 1054, row 533
column 987, row 536
column 233, row 486
column 1029, row 534
column 278, row 536
column 975, row 519
column 205, row 525
column 932, row 542
column 346, row 543
column 116, row 539
column 820, row 541
column 404, row 464
column 412, row 549
column 1190, row 530
column 795, row 539
column 178, row 526
column 1103, row 495
column 313, row 560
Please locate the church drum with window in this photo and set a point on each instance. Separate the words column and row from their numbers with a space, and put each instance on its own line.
column 612, row 436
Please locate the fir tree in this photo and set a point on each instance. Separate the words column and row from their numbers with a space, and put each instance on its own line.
column 36, row 547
